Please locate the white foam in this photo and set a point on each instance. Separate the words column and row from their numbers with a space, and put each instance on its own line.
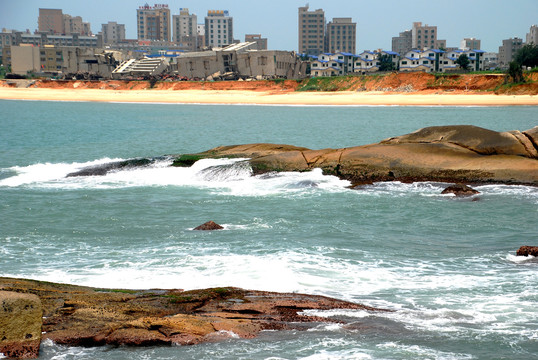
column 223, row 176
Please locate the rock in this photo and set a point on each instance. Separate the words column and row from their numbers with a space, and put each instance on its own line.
column 210, row 225
column 84, row 316
column 21, row 319
column 454, row 154
column 460, row 190
column 527, row 250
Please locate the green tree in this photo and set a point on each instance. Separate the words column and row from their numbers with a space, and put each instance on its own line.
column 463, row 61
column 527, row 55
column 385, row 63
column 515, row 72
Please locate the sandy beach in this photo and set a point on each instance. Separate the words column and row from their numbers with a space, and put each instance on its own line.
column 266, row 97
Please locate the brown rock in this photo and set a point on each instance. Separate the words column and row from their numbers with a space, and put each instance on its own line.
column 21, row 318
column 456, row 154
column 460, row 190
column 527, row 250
column 210, row 225
column 83, row 316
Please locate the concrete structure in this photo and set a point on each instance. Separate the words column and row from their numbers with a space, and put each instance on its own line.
column 218, row 28
column 311, row 31
column 532, row 35
column 341, row 35
column 51, row 21
column 261, row 43
column 113, row 33
column 143, row 67
column 153, row 22
column 239, row 61
column 23, row 59
column 470, row 43
column 75, row 25
column 508, row 50
column 402, row 43
column 185, row 29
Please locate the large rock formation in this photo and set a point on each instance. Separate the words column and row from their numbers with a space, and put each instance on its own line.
column 20, row 324
column 527, row 250
column 83, row 316
column 462, row 153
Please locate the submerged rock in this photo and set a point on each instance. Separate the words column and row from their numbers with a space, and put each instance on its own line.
column 210, row 225
column 460, row 190
column 21, row 318
column 527, row 250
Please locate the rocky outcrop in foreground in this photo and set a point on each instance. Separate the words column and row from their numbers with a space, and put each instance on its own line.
column 84, row 316
column 460, row 154
column 527, row 250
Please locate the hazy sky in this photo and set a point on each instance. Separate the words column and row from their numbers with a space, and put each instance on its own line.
column 377, row 20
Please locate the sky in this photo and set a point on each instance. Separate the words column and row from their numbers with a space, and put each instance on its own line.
column 378, row 21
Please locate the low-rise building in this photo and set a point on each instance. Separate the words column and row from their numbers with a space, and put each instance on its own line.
column 508, row 50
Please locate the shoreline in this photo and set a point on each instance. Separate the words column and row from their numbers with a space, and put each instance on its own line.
column 251, row 97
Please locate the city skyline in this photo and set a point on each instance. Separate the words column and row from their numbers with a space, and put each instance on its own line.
column 490, row 21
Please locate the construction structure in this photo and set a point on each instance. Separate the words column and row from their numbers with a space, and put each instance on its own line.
column 311, row 31
column 341, row 35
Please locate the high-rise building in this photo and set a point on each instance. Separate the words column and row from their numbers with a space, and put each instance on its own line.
column 508, row 50
column 153, row 22
column 311, row 31
column 470, row 44
column 402, row 43
column 261, row 43
column 532, row 35
column 185, row 28
column 218, row 28
column 113, row 32
column 341, row 35
column 51, row 21
column 425, row 36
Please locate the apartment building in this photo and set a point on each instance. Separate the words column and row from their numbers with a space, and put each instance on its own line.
column 75, row 25
column 153, row 22
column 532, row 35
column 341, row 35
column 17, row 38
column 113, row 33
column 261, row 43
column 51, row 21
column 218, row 28
column 311, row 31
column 185, row 29
column 508, row 50
column 470, row 44
column 402, row 43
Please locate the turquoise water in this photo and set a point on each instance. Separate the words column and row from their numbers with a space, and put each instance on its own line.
column 447, row 266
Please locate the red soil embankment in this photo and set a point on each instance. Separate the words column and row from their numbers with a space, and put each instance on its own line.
column 416, row 82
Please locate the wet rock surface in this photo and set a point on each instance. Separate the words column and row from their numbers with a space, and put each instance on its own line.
column 527, row 250
column 460, row 190
column 210, row 225
column 84, row 316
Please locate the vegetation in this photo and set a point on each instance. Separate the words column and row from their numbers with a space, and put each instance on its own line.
column 463, row 61
column 515, row 72
column 527, row 56
column 385, row 63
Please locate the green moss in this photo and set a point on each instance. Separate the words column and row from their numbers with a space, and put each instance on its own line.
column 186, row 160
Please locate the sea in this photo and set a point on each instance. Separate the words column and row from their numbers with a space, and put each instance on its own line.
column 445, row 265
